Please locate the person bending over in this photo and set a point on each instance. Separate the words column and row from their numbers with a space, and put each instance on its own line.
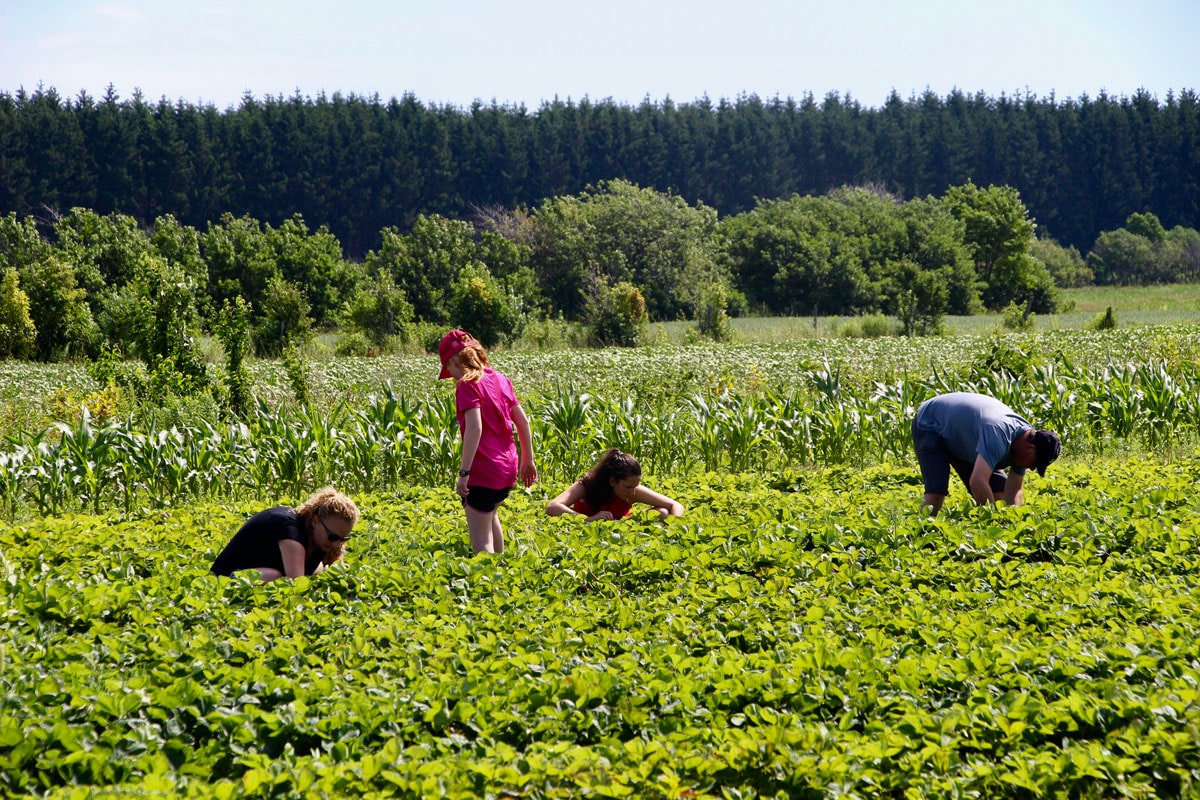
column 608, row 491
column 283, row 542
column 979, row 437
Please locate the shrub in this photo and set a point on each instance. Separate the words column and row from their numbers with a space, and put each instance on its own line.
column 285, row 321
column 1104, row 321
column 429, row 335
column 712, row 319
column 109, row 369
column 618, row 316
column 554, row 333
column 850, row 329
column 166, row 343
column 103, row 404
column 875, row 326
column 233, row 329
column 353, row 343
column 1016, row 318
column 297, row 375
column 869, row 326
column 1065, row 265
column 17, row 333
column 736, row 303
column 59, row 310
column 479, row 304
column 379, row 311
column 921, row 300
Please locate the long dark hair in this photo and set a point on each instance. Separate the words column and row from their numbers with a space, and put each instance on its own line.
column 612, row 466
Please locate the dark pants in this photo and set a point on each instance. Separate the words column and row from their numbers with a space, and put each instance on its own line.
column 936, row 460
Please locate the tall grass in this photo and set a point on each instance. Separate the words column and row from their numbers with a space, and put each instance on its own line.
column 1134, row 306
column 1183, row 298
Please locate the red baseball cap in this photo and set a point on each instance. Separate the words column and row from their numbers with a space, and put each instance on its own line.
column 452, row 342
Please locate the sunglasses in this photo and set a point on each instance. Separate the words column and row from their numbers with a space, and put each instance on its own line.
column 330, row 535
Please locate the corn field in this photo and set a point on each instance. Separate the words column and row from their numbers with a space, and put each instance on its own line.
column 679, row 413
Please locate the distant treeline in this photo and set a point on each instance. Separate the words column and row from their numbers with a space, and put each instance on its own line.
column 601, row 263
column 362, row 165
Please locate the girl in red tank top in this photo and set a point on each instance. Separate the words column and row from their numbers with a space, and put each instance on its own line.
column 608, row 491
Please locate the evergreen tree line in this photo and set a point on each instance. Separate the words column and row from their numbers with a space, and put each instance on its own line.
column 357, row 165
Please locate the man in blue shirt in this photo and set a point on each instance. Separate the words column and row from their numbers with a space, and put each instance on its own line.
column 979, row 437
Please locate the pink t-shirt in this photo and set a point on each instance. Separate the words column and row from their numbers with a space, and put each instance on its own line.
column 495, row 464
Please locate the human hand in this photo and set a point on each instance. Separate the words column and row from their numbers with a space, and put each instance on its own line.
column 663, row 513
column 528, row 473
column 600, row 515
column 460, row 486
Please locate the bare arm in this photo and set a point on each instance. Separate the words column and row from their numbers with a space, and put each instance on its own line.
column 293, row 558
column 568, row 497
column 1014, row 486
column 665, row 505
column 981, row 482
column 472, row 430
column 525, row 435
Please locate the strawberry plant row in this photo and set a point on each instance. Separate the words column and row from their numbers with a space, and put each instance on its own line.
column 799, row 633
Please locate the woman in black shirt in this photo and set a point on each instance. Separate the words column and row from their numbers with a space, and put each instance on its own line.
column 289, row 542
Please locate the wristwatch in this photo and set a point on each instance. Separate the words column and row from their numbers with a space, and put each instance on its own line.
column 462, row 473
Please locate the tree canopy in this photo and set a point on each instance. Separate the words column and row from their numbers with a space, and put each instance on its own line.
column 359, row 165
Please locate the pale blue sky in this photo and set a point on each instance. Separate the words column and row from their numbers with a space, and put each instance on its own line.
column 453, row 52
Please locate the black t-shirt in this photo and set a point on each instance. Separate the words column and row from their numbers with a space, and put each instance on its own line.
column 256, row 544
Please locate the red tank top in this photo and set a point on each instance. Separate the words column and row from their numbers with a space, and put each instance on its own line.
column 615, row 506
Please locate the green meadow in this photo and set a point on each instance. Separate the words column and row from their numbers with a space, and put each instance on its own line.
column 1134, row 306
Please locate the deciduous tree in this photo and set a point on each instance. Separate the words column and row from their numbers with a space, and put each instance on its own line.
column 17, row 333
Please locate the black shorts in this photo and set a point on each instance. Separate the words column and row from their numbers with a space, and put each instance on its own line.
column 484, row 499
column 936, row 460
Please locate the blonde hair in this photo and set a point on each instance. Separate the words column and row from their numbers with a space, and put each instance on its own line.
column 473, row 360
column 329, row 502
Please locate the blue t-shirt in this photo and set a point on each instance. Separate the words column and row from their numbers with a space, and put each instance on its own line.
column 974, row 425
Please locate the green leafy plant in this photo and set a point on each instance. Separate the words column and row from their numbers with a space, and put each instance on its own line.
column 283, row 320
column 812, row 617
column 1104, row 321
column 17, row 332
column 618, row 316
column 297, row 373
column 712, row 318
column 233, row 331
column 1014, row 317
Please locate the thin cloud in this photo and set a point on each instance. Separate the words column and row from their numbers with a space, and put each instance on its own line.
column 217, row 10
column 119, row 11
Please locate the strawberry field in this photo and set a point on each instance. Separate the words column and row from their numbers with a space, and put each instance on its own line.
column 803, row 631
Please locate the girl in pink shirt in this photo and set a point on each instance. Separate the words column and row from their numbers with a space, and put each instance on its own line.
column 487, row 409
